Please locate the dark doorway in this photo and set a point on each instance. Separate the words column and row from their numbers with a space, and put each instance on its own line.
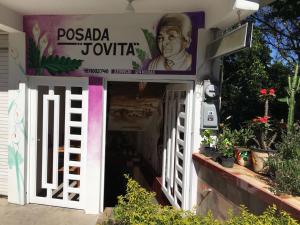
column 134, row 136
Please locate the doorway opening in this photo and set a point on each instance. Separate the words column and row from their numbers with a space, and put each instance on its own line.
column 134, row 137
column 148, row 136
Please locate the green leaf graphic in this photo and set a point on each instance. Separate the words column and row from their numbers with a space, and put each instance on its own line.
column 33, row 55
column 141, row 54
column 151, row 42
column 60, row 64
column 10, row 106
column 14, row 157
column 135, row 65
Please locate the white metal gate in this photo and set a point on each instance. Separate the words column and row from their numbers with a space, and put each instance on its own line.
column 58, row 108
column 177, row 144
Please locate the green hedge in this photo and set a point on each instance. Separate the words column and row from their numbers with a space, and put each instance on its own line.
column 137, row 207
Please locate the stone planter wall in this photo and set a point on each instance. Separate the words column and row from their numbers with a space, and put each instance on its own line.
column 220, row 189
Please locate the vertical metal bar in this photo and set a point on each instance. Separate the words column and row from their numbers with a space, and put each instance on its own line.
column 83, row 155
column 45, row 141
column 187, row 148
column 173, row 139
column 169, row 136
column 55, row 141
column 67, row 143
column 176, row 145
column 166, row 137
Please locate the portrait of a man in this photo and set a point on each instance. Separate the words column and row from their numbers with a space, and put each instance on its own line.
column 173, row 39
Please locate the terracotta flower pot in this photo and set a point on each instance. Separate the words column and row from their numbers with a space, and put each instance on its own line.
column 259, row 159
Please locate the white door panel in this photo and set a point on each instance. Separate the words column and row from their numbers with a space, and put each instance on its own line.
column 58, row 110
column 177, row 137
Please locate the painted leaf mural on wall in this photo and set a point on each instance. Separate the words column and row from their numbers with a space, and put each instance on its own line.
column 56, row 64
column 33, row 54
column 135, row 65
column 150, row 38
column 142, row 55
column 39, row 60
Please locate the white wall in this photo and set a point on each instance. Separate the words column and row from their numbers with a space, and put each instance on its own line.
column 10, row 20
column 17, row 119
column 205, row 70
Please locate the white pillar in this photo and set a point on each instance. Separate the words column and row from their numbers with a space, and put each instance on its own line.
column 17, row 132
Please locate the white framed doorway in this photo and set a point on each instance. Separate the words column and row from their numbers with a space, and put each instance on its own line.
column 182, row 98
column 57, row 134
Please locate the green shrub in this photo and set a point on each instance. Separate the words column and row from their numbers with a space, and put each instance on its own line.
column 225, row 142
column 137, row 207
column 269, row 217
column 285, row 165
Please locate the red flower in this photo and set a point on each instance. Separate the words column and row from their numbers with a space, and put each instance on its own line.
column 264, row 119
column 263, row 91
column 272, row 91
column 260, row 119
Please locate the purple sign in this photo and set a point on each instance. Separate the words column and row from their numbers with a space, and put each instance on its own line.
column 91, row 45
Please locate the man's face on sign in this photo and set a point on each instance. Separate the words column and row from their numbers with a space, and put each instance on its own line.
column 170, row 41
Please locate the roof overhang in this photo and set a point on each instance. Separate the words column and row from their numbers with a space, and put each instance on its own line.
column 219, row 13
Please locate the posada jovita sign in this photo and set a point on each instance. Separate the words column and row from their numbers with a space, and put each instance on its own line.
column 112, row 44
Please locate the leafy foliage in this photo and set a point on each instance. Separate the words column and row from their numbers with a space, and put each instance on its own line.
column 135, row 65
column 280, row 25
column 292, row 90
column 141, row 54
column 33, row 54
column 137, row 208
column 285, row 165
column 150, row 38
column 54, row 64
column 208, row 140
column 58, row 65
column 225, row 142
column 243, row 136
column 269, row 217
column 245, row 73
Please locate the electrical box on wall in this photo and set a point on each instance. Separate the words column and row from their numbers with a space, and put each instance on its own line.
column 210, row 114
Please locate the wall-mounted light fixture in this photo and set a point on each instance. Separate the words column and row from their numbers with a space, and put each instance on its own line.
column 130, row 7
column 245, row 5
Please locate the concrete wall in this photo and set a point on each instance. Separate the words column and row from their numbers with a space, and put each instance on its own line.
column 219, row 195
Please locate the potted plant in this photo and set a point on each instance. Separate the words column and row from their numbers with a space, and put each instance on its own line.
column 241, row 146
column 264, row 134
column 225, row 147
column 209, row 142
